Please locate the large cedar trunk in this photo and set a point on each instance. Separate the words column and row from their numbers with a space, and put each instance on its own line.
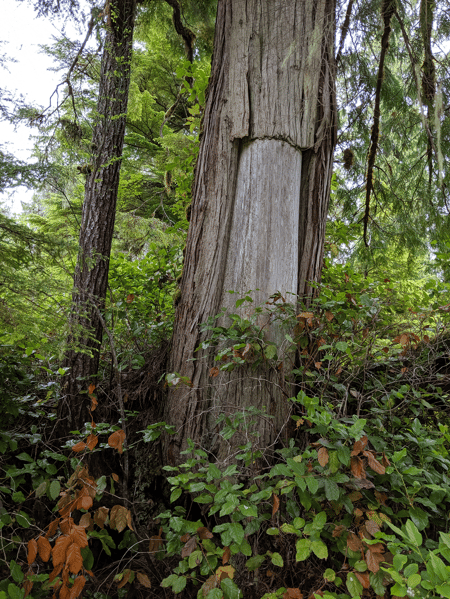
column 98, row 216
column 260, row 199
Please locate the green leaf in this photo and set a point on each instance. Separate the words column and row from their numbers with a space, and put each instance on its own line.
column 439, row 567
column 355, row 588
column 303, row 547
column 18, row 497
column 14, row 592
column 419, row 517
column 319, row 521
column 277, row 560
column 195, row 558
column 272, row 531
column 54, row 491
column 179, row 584
column 331, row 490
column 204, row 499
column 245, row 548
column 88, row 558
column 214, row 472
column 444, row 590
column 213, row 594
column 289, row 529
column 313, row 484
column 254, row 562
column 399, row 561
column 270, row 351
column 341, row 345
column 413, row 533
column 329, row 575
column 41, row 489
column 360, row 566
column 16, row 571
column 23, row 520
column 175, row 494
column 230, row 589
column 320, row 549
column 343, row 454
column 413, row 580
column 237, row 532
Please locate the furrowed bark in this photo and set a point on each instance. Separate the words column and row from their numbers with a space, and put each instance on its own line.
column 98, row 217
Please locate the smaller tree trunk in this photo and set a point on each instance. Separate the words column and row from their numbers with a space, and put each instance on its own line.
column 98, row 217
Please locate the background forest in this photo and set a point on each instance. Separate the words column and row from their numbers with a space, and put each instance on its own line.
column 352, row 499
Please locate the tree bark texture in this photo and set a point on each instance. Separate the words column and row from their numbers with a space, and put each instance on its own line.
column 98, row 216
column 260, row 199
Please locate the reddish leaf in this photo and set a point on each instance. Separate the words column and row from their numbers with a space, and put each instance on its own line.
column 276, row 504
column 44, row 548
column 144, row 580
column 130, row 298
column 323, row 456
column 32, row 550
column 226, row 556
column 363, row 578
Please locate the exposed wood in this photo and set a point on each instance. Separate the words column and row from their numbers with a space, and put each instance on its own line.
column 260, row 197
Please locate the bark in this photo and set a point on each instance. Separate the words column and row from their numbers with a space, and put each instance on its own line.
column 98, row 216
column 260, row 199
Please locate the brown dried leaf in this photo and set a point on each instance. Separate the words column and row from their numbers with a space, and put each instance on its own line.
column 32, row 550
column 329, row 316
column 276, row 504
column 59, row 550
column 292, row 594
column 338, row 530
column 226, row 555
column 44, row 548
column 100, row 516
column 375, row 464
column 64, row 592
column 94, row 404
column 372, row 527
column 385, row 461
column 363, row 578
column 373, row 560
column 144, row 580
column 357, row 467
column 86, row 521
column 91, row 441
column 381, row 497
column 77, row 587
column 130, row 298
column 210, row 583
column 91, row 388
column 156, row 543
column 190, row 546
column 79, row 447
column 125, row 578
column 116, row 440
column 52, row 528
column 362, row 483
column 115, row 477
column 214, row 371
column 355, row 496
column 354, row 542
column 78, row 535
column 73, row 558
column 225, row 572
column 323, row 456
column 118, row 517
column 27, row 586
column 204, row 533
column 359, row 445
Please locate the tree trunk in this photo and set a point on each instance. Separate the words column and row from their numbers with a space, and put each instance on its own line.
column 98, row 216
column 260, row 199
